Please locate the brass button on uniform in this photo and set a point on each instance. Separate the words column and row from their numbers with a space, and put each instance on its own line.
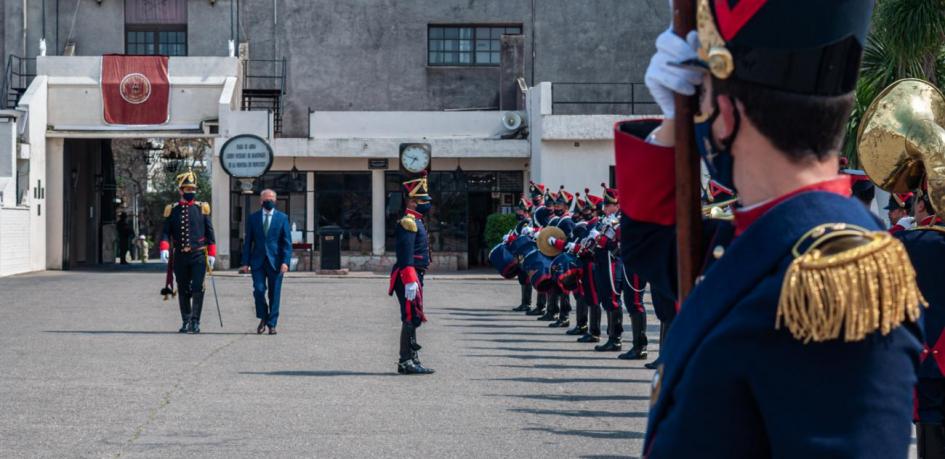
column 718, row 251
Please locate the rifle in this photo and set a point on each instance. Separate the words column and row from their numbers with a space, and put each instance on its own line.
column 688, row 196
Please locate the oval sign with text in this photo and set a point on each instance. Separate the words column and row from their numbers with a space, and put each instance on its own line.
column 246, row 156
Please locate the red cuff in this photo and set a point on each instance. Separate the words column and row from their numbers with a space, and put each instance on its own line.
column 896, row 228
column 512, row 238
column 601, row 241
column 164, row 246
column 212, row 250
column 646, row 177
column 408, row 275
column 559, row 244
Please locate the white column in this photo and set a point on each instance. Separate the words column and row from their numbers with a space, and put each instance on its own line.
column 310, row 207
column 377, row 211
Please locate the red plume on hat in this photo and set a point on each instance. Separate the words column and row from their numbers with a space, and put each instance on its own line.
column 610, row 195
column 524, row 203
column 417, row 188
column 593, row 200
column 579, row 202
column 564, row 197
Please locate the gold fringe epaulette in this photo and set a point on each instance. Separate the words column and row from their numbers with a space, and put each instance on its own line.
column 409, row 223
column 848, row 280
column 205, row 208
column 168, row 209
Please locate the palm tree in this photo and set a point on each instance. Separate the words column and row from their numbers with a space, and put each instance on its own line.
column 907, row 41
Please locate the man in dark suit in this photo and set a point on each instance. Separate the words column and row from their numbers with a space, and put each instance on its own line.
column 267, row 249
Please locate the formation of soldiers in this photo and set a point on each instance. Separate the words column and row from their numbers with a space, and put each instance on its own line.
column 812, row 331
column 567, row 246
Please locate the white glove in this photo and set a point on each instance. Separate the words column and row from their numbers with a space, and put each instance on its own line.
column 609, row 232
column 211, row 260
column 906, row 222
column 505, row 238
column 165, row 256
column 594, row 233
column 552, row 240
column 528, row 231
column 410, row 290
column 663, row 79
column 569, row 247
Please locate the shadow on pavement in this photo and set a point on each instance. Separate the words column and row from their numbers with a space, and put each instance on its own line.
column 568, row 367
column 583, row 413
column 575, row 397
column 602, row 434
column 541, row 357
column 138, row 332
column 541, row 380
column 322, row 374
column 512, row 340
column 587, row 350
column 541, row 333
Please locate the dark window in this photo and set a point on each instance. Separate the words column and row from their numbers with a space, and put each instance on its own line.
column 449, row 220
column 169, row 40
column 468, row 45
column 344, row 199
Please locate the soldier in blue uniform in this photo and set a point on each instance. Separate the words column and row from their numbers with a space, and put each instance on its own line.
column 187, row 225
column 609, row 273
column 587, row 251
column 584, row 298
column 926, row 246
column 406, row 277
column 801, row 339
column 523, row 228
column 536, row 193
column 559, row 302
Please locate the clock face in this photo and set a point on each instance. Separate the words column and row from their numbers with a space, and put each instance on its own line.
column 415, row 158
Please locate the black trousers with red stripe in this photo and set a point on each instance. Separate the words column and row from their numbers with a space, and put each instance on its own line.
column 410, row 317
column 633, row 300
column 609, row 282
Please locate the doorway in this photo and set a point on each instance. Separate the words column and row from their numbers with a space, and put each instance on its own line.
column 481, row 205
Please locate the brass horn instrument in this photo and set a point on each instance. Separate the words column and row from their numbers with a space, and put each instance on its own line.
column 901, row 139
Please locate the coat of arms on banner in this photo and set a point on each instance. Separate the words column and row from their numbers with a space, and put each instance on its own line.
column 135, row 89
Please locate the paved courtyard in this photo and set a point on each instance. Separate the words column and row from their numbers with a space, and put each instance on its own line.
column 93, row 367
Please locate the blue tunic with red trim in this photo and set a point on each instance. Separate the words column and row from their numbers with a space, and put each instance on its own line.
column 412, row 248
column 926, row 247
column 731, row 384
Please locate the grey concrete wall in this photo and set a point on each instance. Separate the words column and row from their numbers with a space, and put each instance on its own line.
column 372, row 54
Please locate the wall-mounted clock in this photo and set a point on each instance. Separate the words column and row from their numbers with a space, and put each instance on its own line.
column 415, row 157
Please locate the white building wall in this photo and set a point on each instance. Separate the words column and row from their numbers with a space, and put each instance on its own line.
column 15, row 243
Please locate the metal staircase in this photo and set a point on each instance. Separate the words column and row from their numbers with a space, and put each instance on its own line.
column 264, row 88
column 17, row 76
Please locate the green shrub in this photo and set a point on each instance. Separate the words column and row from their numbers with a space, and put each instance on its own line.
column 497, row 225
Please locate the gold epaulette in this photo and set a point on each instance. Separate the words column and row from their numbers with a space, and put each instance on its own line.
column 409, row 223
column 848, row 279
column 205, row 208
column 168, row 208
column 936, row 228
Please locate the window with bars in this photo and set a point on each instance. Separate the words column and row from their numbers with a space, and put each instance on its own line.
column 156, row 40
column 466, row 45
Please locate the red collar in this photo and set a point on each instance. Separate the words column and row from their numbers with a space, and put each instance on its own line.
column 744, row 218
column 186, row 203
column 415, row 214
column 930, row 220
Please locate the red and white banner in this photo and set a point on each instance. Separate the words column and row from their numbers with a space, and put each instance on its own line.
column 135, row 89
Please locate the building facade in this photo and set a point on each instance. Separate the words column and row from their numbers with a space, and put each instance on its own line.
column 335, row 88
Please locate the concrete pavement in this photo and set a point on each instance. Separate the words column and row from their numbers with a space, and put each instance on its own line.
column 93, row 367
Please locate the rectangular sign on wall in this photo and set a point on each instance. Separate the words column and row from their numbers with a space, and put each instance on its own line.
column 135, row 89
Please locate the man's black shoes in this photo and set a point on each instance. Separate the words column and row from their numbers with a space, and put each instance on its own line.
column 589, row 338
column 576, row 331
column 560, row 324
column 411, row 367
column 611, row 345
column 635, row 353
column 194, row 327
column 185, row 327
column 521, row 308
column 535, row 312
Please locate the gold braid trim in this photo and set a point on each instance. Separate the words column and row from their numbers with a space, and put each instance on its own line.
column 860, row 290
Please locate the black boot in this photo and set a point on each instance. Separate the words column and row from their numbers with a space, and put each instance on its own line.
column 197, row 306
column 589, row 338
column 526, row 294
column 664, row 330
column 551, row 312
column 638, row 331
column 185, row 327
column 582, row 309
column 194, row 327
column 930, row 440
column 183, row 300
column 578, row 330
column 564, row 312
column 612, row 345
column 409, row 367
column 539, row 305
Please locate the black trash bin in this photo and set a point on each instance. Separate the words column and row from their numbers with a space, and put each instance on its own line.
column 329, row 244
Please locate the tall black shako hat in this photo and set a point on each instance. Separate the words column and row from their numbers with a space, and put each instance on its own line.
column 810, row 47
column 417, row 188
